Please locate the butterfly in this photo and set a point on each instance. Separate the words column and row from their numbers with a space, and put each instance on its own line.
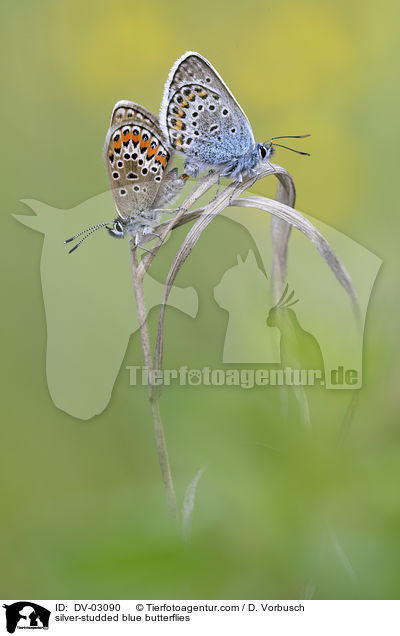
column 136, row 156
column 201, row 118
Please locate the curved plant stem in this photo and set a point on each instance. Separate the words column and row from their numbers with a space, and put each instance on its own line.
column 217, row 205
column 277, row 208
column 153, row 398
column 139, row 269
column 280, row 234
column 202, row 186
column 288, row 215
column 283, row 218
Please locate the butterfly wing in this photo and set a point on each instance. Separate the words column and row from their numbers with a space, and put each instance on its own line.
column 136, row 157
column 200, row 116
column 125, row 109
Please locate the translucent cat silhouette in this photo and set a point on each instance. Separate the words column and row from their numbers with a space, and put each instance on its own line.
column 89, row 304
column 244, row 292
column 325, row 309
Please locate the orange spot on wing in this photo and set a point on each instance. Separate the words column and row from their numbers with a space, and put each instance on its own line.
column 184, row 103
column 179, row 124
column 151, row 152
column 144, row 144
column 117, row 144
column 126, row 137
column 162, row 160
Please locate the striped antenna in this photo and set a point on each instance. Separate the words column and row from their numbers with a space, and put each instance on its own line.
column 299, row 152
column 87, row 232
column 290, row 137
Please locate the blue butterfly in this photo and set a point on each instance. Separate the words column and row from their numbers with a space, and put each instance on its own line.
column 201, row 118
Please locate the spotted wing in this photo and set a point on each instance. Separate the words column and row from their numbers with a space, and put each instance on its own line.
column 136, row 157
column 200, row 116
column 126, row 110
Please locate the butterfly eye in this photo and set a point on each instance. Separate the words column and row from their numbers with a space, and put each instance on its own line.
column 263, row 152
column 117, row 230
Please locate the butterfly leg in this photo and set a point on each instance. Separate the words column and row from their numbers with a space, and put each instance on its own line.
column 218, row 186
column 167, row 210
column 144, row 248
column 210, row 172
column 254, row 180
column 137, row 244
column 139, row 235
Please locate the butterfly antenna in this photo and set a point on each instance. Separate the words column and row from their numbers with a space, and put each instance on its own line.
column 291, row 137
column 92, row 227
column 299, row 152
column 88, row 232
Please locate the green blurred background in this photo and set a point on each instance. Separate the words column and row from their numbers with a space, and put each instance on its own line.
column 279, row 513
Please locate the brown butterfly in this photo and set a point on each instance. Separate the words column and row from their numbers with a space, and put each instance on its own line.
column 137, row 157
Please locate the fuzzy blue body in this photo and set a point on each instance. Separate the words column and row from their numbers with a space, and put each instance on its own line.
column 232, row 163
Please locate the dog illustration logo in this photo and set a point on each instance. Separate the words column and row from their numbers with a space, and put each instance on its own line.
column 26, row 615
